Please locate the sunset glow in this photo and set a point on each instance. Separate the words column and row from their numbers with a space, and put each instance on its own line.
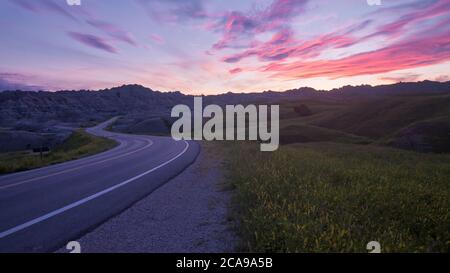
column 211, row 46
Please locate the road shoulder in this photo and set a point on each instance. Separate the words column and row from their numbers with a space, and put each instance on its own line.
column 190, row 213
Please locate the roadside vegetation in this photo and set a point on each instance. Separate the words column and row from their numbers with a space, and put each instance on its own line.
column 339, row 179
column 334, row 197
column 79, row 144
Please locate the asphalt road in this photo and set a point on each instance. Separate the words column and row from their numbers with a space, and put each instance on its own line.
column 43, row 209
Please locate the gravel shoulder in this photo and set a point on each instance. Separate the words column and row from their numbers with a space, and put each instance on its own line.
column 190, row 213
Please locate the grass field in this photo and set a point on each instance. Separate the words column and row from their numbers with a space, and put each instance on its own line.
column 334, row 197
column 337, row 182
column 79, row 144
column 369, row 119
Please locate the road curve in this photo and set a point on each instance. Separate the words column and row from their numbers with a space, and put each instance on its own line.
column 41, row 210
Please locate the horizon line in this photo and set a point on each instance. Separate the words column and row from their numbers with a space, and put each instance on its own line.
column 224, row 93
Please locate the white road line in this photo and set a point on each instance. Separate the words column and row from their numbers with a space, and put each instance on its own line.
column 86, row 199
column 150, row 143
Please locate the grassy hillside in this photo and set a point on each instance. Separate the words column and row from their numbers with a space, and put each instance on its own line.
column 310, row 133
column 329, row 197
column 334, row 185
column 431, row 135
column 79, row 144
column 370, row 119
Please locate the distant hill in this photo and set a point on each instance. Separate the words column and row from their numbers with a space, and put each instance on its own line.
column 413, row 116
column 404, row 115
column 78, row 106
column 83, row 106
column 398, row 89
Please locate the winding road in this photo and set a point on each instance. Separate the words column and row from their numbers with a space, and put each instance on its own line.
column 41, row 210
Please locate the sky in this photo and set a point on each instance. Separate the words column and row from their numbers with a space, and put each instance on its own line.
column 217, row 46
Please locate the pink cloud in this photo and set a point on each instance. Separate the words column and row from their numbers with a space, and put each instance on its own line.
column 157, row 39
column 443, row 78
column 235, row 70
column 283, row 45
column 413, row 52
column 401, row 78
column 418, row 49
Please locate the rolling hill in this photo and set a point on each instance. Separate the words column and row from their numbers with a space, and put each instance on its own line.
column 403, row 115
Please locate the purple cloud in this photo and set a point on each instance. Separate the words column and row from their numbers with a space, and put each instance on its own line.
column 113, row 31
column 431, row 10
column 92, row 41
column 238, row 27
column 174, row 10
column 26, row 4
column 284, row 9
